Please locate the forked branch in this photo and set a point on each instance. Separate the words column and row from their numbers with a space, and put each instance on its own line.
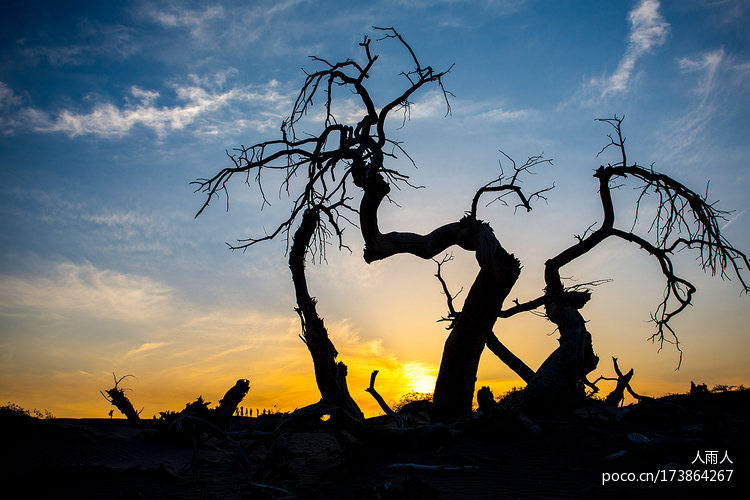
column 507, row 185
column 326, row 164
column 452, row 313
column 683, row 220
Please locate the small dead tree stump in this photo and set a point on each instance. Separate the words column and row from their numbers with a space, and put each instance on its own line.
column 623, row 382
column 228, row 404
column 117, row 397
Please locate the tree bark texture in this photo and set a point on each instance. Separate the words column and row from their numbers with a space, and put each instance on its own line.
column 499, row 271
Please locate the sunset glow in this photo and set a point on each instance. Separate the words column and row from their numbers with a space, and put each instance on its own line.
column 420, row 377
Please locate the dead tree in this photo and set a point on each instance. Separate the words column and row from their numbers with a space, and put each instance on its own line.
column 330, row 374
column 683, row 220
column 342, row 157
column 319, row 171
column 228, row 404
column 117, row 397
column 623, row 382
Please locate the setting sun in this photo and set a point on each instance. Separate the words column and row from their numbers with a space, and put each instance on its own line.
column 420, row 376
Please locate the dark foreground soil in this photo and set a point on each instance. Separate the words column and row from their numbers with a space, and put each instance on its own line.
column 676, row 447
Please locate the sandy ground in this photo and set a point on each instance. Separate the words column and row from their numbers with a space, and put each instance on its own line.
column 100, row 458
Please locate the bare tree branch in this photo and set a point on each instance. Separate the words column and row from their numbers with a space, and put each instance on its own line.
column 683, row 220
column 452, row 313
column 511, row 184
column 381, row 402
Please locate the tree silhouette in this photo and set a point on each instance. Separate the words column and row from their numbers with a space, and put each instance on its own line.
column 319, row 173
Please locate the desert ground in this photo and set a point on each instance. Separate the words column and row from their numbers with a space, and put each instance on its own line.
column 677, row 446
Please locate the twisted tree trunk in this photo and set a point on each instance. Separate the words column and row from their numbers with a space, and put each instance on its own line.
column 330, row 374
column 454, row 390
column 558, row 381
column 499, row 271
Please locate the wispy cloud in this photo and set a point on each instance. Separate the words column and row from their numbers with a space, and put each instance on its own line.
column 203, row 102
column 217, row 25
column 349, row 111
column 92, row 40
column 716, row 79
column 707, row 64
column 12, row 114
column 500, row 114
column 648, row 30
column 99, row 229
column 501, row 6
column 734, row 219
column 8, row 98
column 432, row 106
column 82, row 288
column 728, row 12
column 144, row 348
column 178, row 18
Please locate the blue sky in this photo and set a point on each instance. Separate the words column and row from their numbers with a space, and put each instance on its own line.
column 109, row 110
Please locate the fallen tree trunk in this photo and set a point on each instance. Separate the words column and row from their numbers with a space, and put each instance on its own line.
column 350, row 433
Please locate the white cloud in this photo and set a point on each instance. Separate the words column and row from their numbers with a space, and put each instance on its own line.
column 648, row 30
column 688, row 130
column 432, row 105
column 108, row 120
column 8, row 98
column 96, row 227
column 204, row 101
column 503, row 7
column 219, row 26
column 144, row 348
column 351, row 111
column 500, row 114
column 734, row 219
column 11, row 116
column 728, row 12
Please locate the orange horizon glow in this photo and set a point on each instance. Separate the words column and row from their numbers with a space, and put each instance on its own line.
column 181, row 356
column 301, row 391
